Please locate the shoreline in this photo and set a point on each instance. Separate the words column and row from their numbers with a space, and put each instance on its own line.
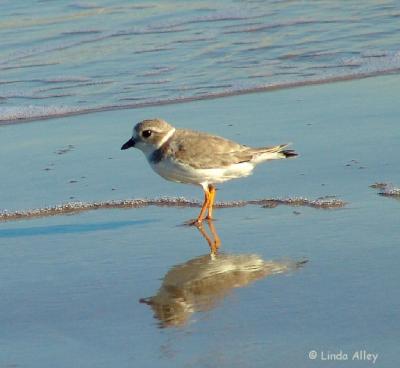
column 78, row 159
column 209, row 96
column 77, row 207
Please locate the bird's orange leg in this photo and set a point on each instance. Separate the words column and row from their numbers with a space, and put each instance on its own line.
column 212, row 191
column 204, row 207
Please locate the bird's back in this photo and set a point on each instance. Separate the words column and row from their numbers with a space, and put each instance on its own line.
column 206, row 151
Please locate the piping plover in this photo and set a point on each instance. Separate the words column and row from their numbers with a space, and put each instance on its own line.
column 191, row 157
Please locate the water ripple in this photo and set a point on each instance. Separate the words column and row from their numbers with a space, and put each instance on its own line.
column 183, row 51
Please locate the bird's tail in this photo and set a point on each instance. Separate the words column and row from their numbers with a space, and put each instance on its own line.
column 273, row 153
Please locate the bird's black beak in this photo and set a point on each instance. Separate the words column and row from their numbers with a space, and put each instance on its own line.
column 129, row 144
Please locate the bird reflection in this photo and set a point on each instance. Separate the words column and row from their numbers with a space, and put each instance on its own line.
column 213, row 241
column 199, row 284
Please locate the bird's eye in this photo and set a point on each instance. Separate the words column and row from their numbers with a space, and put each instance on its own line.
column 146, row 133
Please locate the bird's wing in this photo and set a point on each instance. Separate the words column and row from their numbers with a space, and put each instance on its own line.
column 206, row 151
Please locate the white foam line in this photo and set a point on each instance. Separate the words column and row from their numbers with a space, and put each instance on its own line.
column 10, row 115
column 72, row 207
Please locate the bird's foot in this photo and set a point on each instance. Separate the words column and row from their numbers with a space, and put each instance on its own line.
column 198, row 222
column 193, row 222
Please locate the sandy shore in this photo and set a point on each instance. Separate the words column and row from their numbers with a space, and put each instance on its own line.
column 71, row 284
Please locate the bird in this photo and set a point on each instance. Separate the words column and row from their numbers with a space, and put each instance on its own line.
column 199, row 158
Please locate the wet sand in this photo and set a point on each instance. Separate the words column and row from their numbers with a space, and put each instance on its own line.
column 75, row 286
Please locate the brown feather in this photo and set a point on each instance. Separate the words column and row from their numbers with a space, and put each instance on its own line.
column 205, row 151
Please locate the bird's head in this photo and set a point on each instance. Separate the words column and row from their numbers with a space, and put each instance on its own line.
column 149, row 135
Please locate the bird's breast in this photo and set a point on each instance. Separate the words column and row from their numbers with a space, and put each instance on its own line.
column 177, row 171
column 173, row 170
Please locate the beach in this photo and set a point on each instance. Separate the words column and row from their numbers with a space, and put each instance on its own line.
column 74, row 285
column 98, row 267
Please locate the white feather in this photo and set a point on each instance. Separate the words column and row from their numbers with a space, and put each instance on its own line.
column 176, row 171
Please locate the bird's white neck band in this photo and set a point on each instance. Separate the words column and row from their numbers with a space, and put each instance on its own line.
column 166, row 137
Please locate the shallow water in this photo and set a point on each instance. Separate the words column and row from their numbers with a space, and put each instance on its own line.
column 72, row 285
column 132, row 287
column 68, row 57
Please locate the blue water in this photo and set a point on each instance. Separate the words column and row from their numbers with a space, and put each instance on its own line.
column 63, row 57
column 72, row 287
